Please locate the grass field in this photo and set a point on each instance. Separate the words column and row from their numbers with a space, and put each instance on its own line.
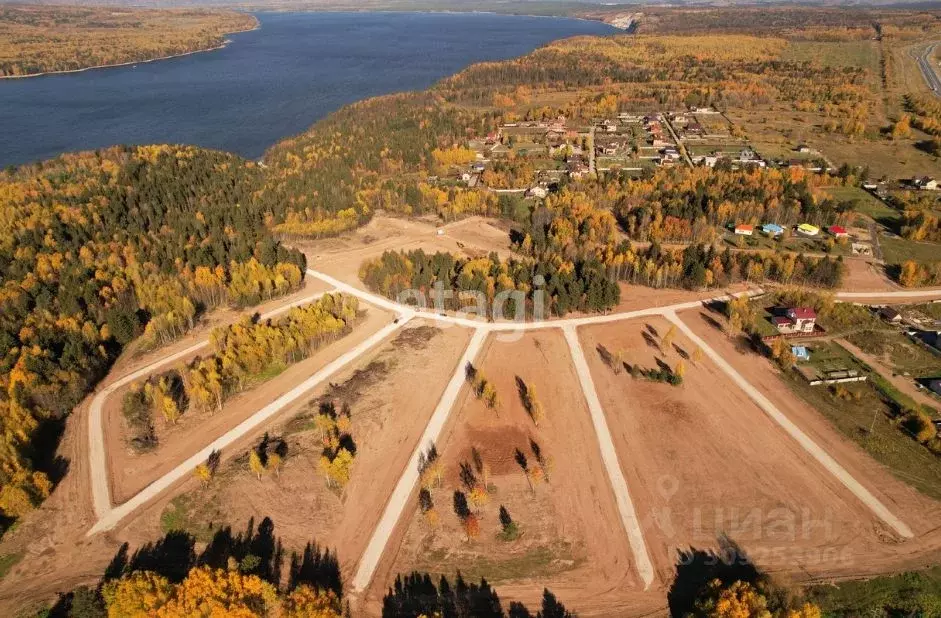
column 867, row 204
column 835, row 54
column 887, row 443
column 930, row 309
column 7, row 562
column 894, row 595
column 899, row 250
column 900, row 354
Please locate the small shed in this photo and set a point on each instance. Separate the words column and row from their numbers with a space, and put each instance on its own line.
column 890, row 315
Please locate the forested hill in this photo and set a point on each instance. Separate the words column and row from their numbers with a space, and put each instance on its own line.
column 42, row 39
column 101, row 248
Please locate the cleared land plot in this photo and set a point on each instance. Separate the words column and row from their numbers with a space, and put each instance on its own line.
column 130, row 471
column 571, row 539
column 893, row 349
column 391, row 394
column 342, row 257
column 836, row 54
column 703, row 461
column 887, row 462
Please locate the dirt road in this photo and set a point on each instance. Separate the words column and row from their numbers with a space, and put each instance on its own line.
column 116, row 514
column 612, row 465
column 409, row 479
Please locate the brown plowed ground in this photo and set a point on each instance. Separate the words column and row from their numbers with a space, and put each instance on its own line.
column 130, row 471
column 703, row 461
column 863, row 276
column 392, row 393
column 572, row 541
column 921, row 513
column 388, row 418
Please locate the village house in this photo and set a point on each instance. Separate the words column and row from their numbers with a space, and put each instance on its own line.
column 837, row 231
column 925, row 183
column 806, row 229
column 772, row 229
column 537, row 192
column 796, row 320
column 744, row 230
column 577, row 169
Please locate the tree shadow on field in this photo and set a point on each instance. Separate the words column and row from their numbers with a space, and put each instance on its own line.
column 264, row 548
column 711, row 321
column 651, row 342
column 651, row 330
column 695, row 568
column 316, row 567
column 683, row 354
column 605, row 355
column 172, row 556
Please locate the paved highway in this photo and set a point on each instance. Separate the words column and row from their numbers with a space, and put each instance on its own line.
column 928, row 66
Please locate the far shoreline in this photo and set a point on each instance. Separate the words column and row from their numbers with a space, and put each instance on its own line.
column 222, row 45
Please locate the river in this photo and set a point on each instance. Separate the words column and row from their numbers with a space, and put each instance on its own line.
column 267, row 84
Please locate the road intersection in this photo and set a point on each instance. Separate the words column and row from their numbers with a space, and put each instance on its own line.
column 110, row 515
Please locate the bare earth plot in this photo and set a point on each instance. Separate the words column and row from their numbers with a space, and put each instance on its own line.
column 342, row 257
column 572, row 541
column 702, row 461
column 919, row 512
column 131, row 472
column 863, row 276
column 391, row 393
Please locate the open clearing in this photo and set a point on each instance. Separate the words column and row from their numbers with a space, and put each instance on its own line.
column 391, row 393
column 571, row 538
column 342, row 257
column 918, row 511
column 131, row 472
column 703, row 461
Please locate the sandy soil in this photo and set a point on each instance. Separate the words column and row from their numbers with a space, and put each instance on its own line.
column 634, row 297
column 341, row 257
column 572, row 540
column 131, row 472
column 388, row 417
column 391, row 392
column 865, row 276
column 918, row 511
column 702, row 460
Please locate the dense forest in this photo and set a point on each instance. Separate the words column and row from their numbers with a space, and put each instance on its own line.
column 101, row 248
column 41, row 39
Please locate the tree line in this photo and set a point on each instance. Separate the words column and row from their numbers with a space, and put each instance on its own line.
column 550, row 286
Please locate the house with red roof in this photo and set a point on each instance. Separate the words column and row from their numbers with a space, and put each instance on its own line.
column 744, row 230
column 838, row 231
column 796, row 320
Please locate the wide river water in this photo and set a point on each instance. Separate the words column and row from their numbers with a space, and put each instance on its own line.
column 267, row 84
